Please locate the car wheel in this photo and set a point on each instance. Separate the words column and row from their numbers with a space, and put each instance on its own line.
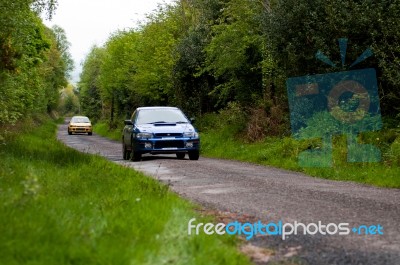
column 125, row 153
column 136, row 156
column 180, row 155
column 69, row 132
column 89, row 133
column 194, row 155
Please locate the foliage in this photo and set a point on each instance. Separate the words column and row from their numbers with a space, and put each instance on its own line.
column 283, row 152
column 102, row 129
column 201, row 55
column 32, row 66
column 193, row 83
column 89, row 84
column 62, row 45
column 118, row 68
column 155, row 59
column 69, row 101
column 298, row 29
column 234, row 54
column 231, row 121
column 394, row 152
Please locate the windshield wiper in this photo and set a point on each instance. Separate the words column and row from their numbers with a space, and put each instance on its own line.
column 157, row 122
column 177, row 122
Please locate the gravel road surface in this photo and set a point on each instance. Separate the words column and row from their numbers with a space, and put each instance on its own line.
column 270, row 195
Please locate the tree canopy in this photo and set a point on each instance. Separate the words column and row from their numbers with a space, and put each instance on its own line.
column 34, row 60
column 204, row 55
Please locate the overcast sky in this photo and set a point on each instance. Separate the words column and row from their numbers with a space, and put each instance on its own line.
column 90, row 22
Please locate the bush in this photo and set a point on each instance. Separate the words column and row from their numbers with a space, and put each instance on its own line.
column 231, row 119
column 264, row 123
column 394, row 152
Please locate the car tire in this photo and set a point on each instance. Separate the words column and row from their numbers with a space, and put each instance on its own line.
column 194, row 155
column 89, row 133
column 70, row 133
column 136, row 156
column 180, row 155
column 125, row 153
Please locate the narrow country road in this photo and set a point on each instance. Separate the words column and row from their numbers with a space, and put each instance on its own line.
column 270, row 195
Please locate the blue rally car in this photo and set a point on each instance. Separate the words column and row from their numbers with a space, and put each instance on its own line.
column 159, row 130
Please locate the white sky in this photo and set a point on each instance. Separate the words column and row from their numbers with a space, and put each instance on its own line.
column 90, row 22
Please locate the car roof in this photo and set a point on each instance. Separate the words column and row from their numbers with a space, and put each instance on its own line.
column 79, row 117
column 157, row 107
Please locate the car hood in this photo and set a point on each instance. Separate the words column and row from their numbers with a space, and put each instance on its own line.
column 80, row 124
column 166, row 128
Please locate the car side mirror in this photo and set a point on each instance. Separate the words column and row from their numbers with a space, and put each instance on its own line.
column 128, row 122
column 192, row 120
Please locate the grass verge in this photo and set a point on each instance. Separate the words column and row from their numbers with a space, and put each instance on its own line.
column 221, row 142
column 284, row 152
column 102, row 129
column 59, row 206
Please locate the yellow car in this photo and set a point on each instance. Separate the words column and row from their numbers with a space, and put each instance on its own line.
column 80, row 124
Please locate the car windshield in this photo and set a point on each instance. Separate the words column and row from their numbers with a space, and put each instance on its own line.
column 161, row 116
column 80, row 120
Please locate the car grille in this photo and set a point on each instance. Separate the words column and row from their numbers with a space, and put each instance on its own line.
column 159, row 135
column 168, row 144
column 79, row 129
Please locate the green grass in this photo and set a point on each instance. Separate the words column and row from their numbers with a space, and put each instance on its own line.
column 218, row 141
column 59, row 206
column 283, row 153
column 102, row 129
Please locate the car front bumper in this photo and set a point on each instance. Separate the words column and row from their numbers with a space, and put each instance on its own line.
column 166, row 146
column 77, row 129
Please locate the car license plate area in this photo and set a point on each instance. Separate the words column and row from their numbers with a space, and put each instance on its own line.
column 169, row 144
column 167, row 135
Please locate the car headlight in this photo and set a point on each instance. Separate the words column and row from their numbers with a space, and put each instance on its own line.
column 191, row 135
column 144, row 135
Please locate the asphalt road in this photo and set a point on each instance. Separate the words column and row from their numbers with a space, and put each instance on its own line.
column 270, row 194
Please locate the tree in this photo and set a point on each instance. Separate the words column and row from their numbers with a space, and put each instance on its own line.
column 89, row 85
column 56, row 67
column 192, row 81
column 118, row 69
column 63, row 46
column 234, row 54
column 298, row 29
column 32, row 69
column 155, row 58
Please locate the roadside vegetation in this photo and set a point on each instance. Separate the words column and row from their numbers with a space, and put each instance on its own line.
column 204, row 55
column 225, row 62
column 34, row 60
column 283, row 153
column 69, row 101
column 59, row 206
column 229, row 60
column 223, row 136
column 102, row 128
